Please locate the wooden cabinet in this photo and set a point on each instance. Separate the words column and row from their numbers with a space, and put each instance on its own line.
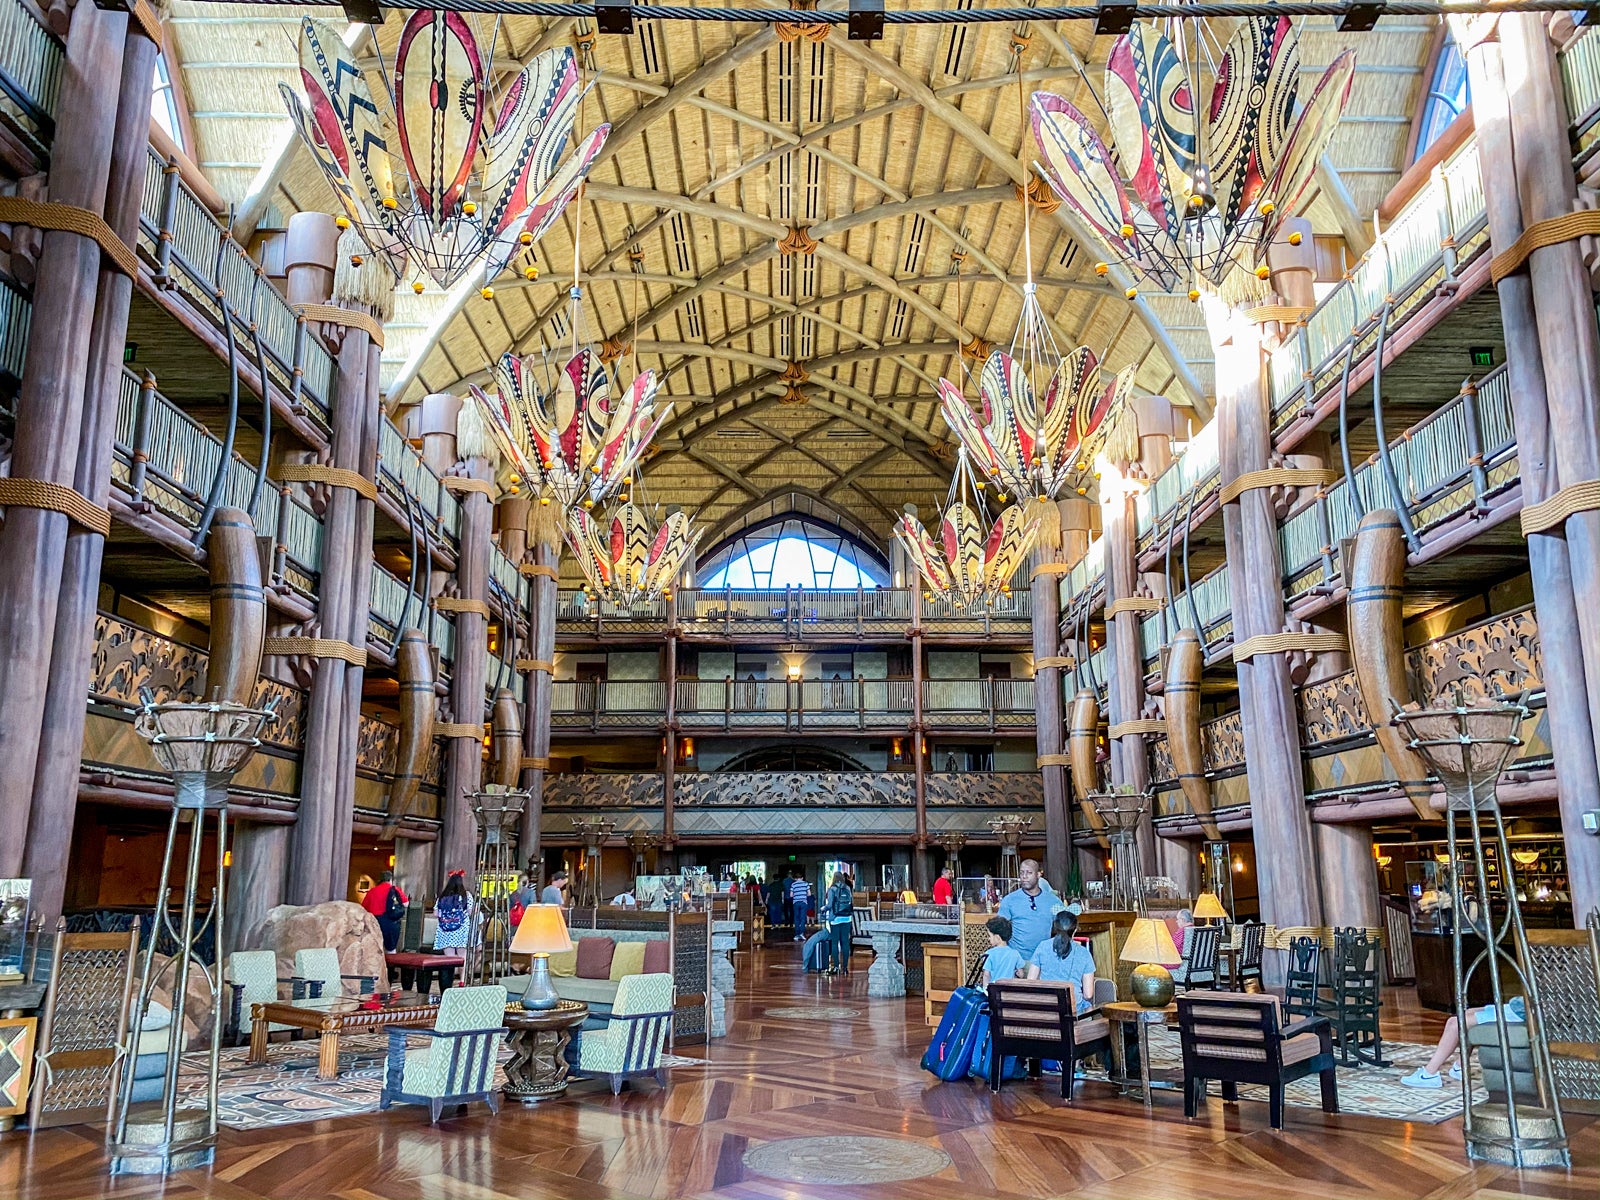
column 942, row 973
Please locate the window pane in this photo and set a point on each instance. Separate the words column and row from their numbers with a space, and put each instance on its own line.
column 793, row 553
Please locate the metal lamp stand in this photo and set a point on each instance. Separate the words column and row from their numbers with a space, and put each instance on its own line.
column 203, row 746
column 594, row 831
column 498, row 811
column 1122, row 812
column 1010, row 829
column 1467, row 747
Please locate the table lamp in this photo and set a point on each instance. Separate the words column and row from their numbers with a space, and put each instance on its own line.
column 1150, row 945
column 543, row 932
column 1209, row 908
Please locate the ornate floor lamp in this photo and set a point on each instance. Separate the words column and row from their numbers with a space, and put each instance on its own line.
column 952, row 841
column 1010, row 829
column 1467, row 747
column 1122, row 811
column 203, row 746
column 498, row 810
column 594, row 831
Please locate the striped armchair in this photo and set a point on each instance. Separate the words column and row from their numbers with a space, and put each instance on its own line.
column 1037, row 1019
column 252, row 978
column 458, row 1063
column 631, row 1042
column 1239, row 1037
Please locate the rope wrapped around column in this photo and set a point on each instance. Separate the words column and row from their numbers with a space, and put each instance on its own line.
column 55, row 497
column 306, row 647
column 1568, row 227
column 1053, row 760
column 1050, row 568
column 1284, row 314
column 1548, row 514
column 1278, row 643
column 1133, row 604
column 349, row 318
column 456, row 729
column 538, row 569
column 465, row 483
column 1144, row 725
column 69, row 218
column 533, row 763
column 1065, row 661
column 340, row 477
column 1279, row 477
column 454, row 604
column 536, row 664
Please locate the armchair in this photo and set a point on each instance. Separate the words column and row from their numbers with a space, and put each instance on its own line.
column 1252, row 939
column 252, row 978
column 1239, row 1037
column 458, row 1063
column 1201, row 949
column 1036, row 1019
column 631, row 1043
column 316, row 975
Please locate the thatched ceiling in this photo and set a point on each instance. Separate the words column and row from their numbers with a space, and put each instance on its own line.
column 897, row 156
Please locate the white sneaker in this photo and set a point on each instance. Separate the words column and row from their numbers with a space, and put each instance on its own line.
column 1455, row 1072
column 1421, row 1079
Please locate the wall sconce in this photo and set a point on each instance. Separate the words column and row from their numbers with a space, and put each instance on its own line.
column 1384, row 860
column 794, row 672
column 1238, row 866
column 1525, row 858
column 1442, row 858
column 227, row 858
column 391, row 860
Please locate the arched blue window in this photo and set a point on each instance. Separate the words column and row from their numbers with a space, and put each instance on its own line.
column 792, row 552
column 164, row 103
column 1447, row 96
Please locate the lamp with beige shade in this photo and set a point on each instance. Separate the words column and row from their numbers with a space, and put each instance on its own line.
column 543, row 932
column 1150, row 945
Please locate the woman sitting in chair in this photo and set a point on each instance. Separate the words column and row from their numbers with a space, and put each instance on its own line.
column 1059, row 959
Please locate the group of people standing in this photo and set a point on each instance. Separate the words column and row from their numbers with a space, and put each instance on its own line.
column 455, row 914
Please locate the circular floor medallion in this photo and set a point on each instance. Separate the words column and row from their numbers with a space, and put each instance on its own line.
column 844, row 1160
column 820, row 1012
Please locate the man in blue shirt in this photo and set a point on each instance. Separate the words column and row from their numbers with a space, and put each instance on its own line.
column 1030, row 908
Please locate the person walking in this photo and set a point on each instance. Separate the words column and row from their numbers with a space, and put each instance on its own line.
column 800, row 901
column 388, row 904
column 838, row 909
column 555, row 892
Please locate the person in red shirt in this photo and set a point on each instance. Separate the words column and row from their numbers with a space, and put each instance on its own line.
column 944, row 888
column 389, row 912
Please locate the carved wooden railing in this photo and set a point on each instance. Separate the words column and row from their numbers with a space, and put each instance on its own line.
column 31, row 61
column 1196, row 471
column 796, row 789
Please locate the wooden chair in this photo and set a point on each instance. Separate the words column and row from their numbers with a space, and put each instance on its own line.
column 1252, row 939
column 1036, row 1019
column 1357, row 997
column 1566, row 967
column 1239, row 1037
column 1303, row 979
column 457, row 1066
column 632, row 1041
column 1202, row 946
column 252, row 978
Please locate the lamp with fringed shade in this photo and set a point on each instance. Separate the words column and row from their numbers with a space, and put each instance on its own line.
column 541, row 933
column 1150, row 945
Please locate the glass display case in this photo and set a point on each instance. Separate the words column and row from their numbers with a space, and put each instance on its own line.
column 1428, row 896
column 14, row 896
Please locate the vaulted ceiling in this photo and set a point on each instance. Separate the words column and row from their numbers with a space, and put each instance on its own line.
column 901, row 160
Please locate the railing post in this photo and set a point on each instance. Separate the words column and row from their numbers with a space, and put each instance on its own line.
column 788, row 616
column 1447, row 240
column 297, row 368
column 1302, row 344
column 861, row 612
column 594, row 705
column 169, row 214
column 988, row 688
column 141, row 439
column 1474, row 423
column 727, row 703
column 727, row 612
column 280, row 536
column 1325, row 530
column 861, row 702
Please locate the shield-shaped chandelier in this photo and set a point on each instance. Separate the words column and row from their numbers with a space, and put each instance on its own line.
column 971, row 562
column 466, row 192
column 573, row 443
column 1201, row 190
column 1032, row 444
column 629, row 558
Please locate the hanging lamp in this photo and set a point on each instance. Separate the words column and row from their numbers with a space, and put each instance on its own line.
column 1200, row 192
column 466, row 192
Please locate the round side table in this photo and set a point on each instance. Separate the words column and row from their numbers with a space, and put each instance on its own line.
column 1126, row 1012
column 539, row 1036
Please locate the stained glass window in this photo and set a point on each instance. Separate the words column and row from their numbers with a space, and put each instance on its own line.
column 792, row 552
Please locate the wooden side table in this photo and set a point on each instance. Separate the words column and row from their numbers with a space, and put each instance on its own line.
column 538, row 1068
column 1125, row 1012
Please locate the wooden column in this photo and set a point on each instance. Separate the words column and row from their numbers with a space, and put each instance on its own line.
column 50, row 412
column 1285, row 865
column 536, row 722
column 458, row 840
column 55, row 784
column 1047, row 569
column 255, row 881
column 1568, row 691
column 919, row 744
column 1348, row 875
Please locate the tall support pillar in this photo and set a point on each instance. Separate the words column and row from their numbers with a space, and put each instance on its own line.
column 1570, row 680
column 1285, row 864
column 255, row 881
column 51, row 413
column 1348, row 875
column 55, row 784
column 669, row 773
column 919, row 739
column 464, row 749
column 1047, row 569
column 543, row 574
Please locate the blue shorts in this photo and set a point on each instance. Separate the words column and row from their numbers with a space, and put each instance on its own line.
column 1515, row 1009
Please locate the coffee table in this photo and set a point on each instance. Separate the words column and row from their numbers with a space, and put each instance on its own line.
column 329, row 1018
column 538, row 1067
column 1123, row 1012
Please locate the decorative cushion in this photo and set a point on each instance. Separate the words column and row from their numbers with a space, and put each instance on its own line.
column 564, row 963
column 156, row 1016
column 586, row 991
column 594, row 957
column 627, row 959
column 657, row 958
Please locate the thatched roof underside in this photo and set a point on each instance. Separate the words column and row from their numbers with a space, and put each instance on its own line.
column 899, row 157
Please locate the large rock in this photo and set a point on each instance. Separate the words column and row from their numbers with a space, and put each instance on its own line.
column 196, row 1005
column 348, row 928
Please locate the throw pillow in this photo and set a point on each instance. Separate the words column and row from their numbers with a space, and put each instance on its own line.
column 628, row 959
column 658, row 957
column 564, row 963
column 594, row 957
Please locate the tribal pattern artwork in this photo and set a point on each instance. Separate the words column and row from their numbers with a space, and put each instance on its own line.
column 963, row 565
column 634, row 560
column 809, row 789
column 1200, row 191
column 465, row 193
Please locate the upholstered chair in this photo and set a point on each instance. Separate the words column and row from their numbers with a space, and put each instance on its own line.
column 317, row 977
column 252, row 978
column 632, row 1041
column 1240, row 1037
column 458, row 1063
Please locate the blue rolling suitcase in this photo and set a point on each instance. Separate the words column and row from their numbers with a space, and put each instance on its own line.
column 1011, row 1067
column 949, row 1055
column 814, row 954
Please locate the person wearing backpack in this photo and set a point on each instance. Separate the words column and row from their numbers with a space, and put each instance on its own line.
column 453, row 912
column 838, row 907
column 387, row 903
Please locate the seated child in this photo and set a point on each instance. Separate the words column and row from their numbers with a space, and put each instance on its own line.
column 1001, row 961
column 1427, row 1076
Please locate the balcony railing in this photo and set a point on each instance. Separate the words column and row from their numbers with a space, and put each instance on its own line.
column 1214, row 603
column 738, row 791
column 402, row 471
column 16, row 315
column 504, row 575
column 978, row 703
column 31, row 62
column 1196, row 471
column 1448, row 464
column 1440, row 229
column 1085, row 574
column 1580, row 75
column 163, row 458
column 608, row 704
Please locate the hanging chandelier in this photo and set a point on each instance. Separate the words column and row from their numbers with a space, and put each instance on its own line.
column 968, row 565
column 466, row 192
column 572, row 443
column 631, row 559
column 1199, row 192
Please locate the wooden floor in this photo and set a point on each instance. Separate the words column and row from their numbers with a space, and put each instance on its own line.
column 780, row 1078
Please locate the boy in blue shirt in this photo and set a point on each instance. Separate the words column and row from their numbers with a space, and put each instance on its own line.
column 1001, row 961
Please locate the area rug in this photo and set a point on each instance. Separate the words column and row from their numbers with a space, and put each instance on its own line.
column 1367, row 1090
column 285, row 1089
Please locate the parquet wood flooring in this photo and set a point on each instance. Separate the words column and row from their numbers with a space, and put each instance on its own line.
column 779, row 1077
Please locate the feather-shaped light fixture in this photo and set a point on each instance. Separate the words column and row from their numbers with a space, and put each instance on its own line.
column 970, row 562
column 472, row 183
column 1193, row 191
column 630, row 558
